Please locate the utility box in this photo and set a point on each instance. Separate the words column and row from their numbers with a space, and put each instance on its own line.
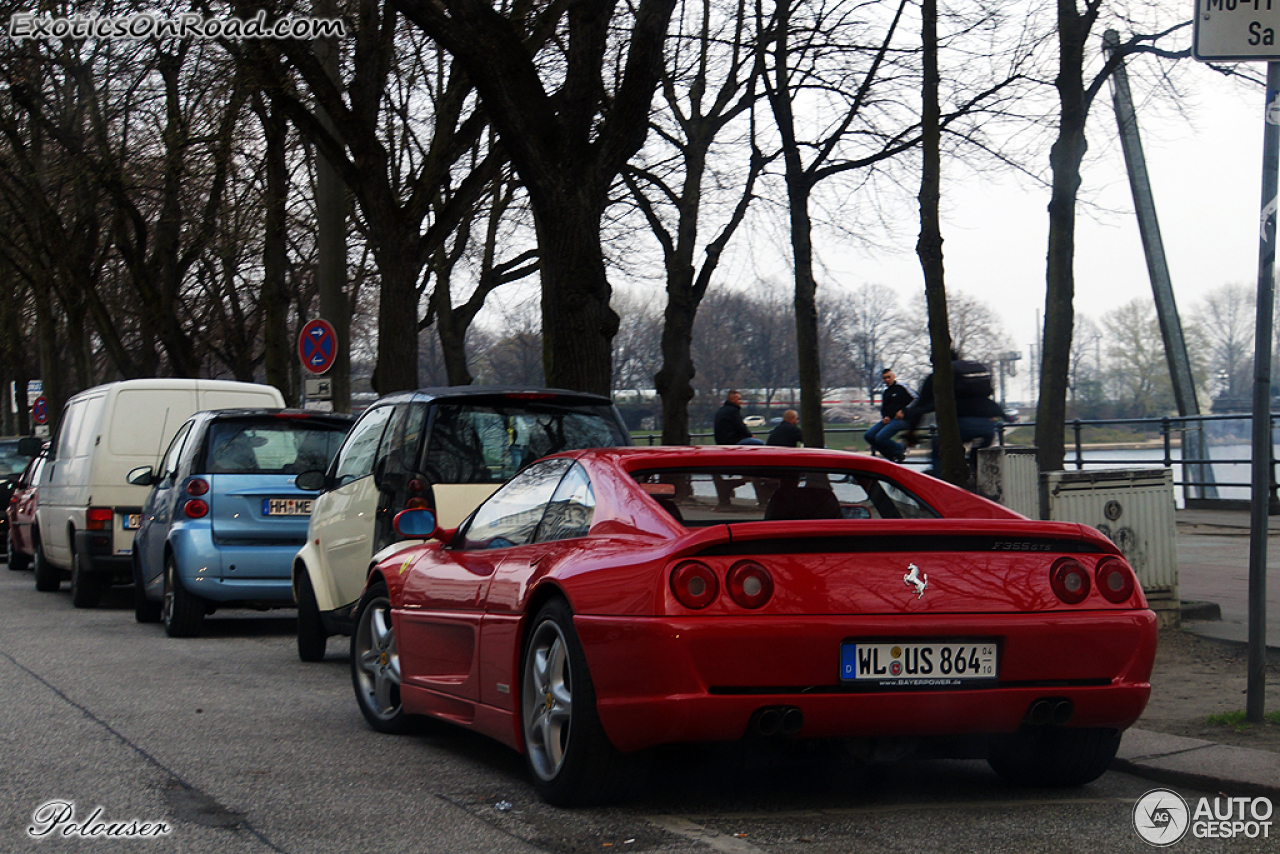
column 1135, row 509
column 1010, row 475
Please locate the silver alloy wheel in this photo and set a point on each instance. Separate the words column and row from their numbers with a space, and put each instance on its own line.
column 547, row 700
column 377, row 670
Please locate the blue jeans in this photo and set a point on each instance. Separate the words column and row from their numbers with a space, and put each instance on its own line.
column 972, row 428
column 880, row 438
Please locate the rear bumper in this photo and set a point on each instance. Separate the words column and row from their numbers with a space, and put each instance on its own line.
column 222, row 572
column 661, row 680
column 100, row 557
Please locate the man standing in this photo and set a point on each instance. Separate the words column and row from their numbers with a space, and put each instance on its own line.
column 893, row 403
column 729, row 427
column 787, row 433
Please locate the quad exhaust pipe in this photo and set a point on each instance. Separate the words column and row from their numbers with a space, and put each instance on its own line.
column 1055, row 711
column 772, row 721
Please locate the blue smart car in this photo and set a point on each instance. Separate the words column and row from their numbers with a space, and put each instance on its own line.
column 224, row 519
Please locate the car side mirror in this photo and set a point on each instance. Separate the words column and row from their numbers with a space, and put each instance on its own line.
column 29, row 446
column 312, row 481
column 419, row 523
column 141, row 476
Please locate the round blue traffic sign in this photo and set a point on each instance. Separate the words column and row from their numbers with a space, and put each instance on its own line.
column 318, row 346
column 40, row 410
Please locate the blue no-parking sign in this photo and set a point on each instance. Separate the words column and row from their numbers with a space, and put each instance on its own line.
column 318, row 346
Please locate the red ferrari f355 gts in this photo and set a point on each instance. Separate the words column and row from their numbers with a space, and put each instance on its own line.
column 607, row 601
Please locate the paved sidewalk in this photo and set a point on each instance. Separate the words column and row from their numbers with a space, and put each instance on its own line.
column 1213, row 579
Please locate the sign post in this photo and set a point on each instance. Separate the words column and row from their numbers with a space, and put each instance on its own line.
column 318, row 350
column 1246, row 30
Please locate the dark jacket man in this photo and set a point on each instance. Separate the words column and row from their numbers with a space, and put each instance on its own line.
column 729, row 428
column 787, row 433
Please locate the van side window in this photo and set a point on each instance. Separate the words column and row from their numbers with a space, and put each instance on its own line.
column 356, row 456
column 79, row 416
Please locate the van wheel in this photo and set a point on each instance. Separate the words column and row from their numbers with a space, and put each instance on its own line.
column 182, row 612
column 144, row 610
column 48, row 578
column 311, row 633
column 86, row 586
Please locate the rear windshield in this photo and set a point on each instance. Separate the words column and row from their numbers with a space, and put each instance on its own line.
column 760, row 494
column 11, row 462
column 490, row 444
column 271, row 446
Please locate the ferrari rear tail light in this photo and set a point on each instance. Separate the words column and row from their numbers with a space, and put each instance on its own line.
column 197, row 486
column 98, row 518
column 196, row 508
column 1115, row 580
column 1070, row 580
column 750, row 584
column 694, row 584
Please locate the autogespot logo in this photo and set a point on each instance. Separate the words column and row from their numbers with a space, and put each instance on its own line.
column 1161, row 817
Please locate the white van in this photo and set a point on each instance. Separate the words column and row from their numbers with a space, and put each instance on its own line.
column 88, row 511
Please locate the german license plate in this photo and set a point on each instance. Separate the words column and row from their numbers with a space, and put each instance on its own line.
column 286, row 506
column 132, row 521
column 919, row 664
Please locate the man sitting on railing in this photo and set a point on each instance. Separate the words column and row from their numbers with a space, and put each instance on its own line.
column 977, row 413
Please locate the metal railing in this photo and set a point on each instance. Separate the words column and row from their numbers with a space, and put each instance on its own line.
column 1168, row 427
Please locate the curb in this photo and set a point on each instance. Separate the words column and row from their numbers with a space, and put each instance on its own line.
column 1204, row 765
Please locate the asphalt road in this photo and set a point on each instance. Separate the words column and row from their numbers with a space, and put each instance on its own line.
column 236, row 746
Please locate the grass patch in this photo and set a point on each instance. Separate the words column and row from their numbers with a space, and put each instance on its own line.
column 1238, row 722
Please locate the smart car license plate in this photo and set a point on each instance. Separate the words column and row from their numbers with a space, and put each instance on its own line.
column 286, row 506
column 132, row 521
column 919, row 664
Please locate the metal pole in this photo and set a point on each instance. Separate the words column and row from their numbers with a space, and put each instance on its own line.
column 1261, row 463
column 1144, row 205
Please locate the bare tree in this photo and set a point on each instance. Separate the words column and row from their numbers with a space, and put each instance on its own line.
column 1076, row 94
column 708, row 83
column 1136, row 377
column 569, row 128
column 415, row 173
column 1225, row 320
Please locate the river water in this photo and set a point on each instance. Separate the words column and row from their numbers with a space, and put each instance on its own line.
column 1231, row 469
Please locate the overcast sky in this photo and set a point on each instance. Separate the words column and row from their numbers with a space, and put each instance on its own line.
column 1206, row 179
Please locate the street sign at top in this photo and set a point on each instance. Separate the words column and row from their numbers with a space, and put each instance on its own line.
column 1236, row 30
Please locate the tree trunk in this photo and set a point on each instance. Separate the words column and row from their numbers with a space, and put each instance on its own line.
column 674, row 381
column 1064, row 158
column 277, row 340
column 397, row 364
column 578, row 324
column 808, row 357
column 929, row 250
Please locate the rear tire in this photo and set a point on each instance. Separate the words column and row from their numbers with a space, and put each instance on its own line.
column 48, row 578
column 183, row 613
column 86, row 586
column 569, row 756
column 311, row 634
column 17, row 560
column 1051, row 757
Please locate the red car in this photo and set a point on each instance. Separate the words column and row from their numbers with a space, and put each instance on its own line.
column 21, row 515
column 607, row 601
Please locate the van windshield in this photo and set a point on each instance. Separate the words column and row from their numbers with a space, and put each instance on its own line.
column 489, row 444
